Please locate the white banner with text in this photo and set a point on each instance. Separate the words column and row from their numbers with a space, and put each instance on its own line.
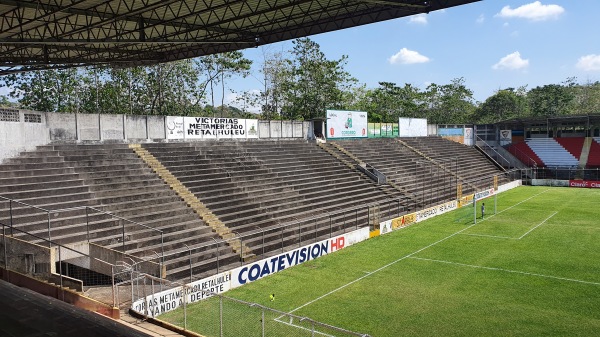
column 168, row 300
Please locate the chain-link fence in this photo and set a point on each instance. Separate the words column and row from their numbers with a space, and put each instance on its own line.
column 220, row 316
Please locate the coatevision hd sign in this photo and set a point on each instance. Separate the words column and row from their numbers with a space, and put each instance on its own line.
column 161, row 302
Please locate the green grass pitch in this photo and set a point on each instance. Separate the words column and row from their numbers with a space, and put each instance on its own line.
column 532, row 269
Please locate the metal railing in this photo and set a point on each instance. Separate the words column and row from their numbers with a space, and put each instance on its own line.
column 100, row 226
column 38, row 263
column 495, row 155
column 520, row 155
column 202, row 260
column 222, row 316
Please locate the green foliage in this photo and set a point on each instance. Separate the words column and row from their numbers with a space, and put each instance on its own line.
column 551, row 100
column 503, row 105
column 301, row 83
column 442, row 278
column 312, row 83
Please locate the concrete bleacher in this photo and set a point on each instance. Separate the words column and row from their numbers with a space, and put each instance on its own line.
column 594, row 155
column 525, row 154
column 112, row 179
column 572, row 144
column 425, row 182
column 551, row 152
column 473, row 169
column 254, row 186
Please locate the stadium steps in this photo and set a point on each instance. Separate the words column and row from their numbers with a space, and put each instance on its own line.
column 398, row 164
column 108, row 177
column 594, row 155
column 199, row 208
column 391, row 189
column 551, row 152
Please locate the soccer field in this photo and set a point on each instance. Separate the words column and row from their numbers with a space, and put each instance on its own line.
column 532, row 268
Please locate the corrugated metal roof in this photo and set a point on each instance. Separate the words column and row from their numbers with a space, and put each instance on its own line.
column 38, row 34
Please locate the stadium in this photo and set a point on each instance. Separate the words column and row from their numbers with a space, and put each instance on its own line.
column 204, row 226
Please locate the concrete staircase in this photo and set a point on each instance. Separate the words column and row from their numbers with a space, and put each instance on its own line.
column 194, row 203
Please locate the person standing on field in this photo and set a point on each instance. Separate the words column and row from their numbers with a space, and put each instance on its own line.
column 482, row 209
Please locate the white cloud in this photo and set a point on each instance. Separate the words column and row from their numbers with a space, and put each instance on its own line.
column 534, row 11
column 420, row 19
column 589, row 63
column 405, row 56
column 480, row 19
column 511, row 62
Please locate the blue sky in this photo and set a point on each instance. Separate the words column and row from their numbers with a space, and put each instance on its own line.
column 493, row 44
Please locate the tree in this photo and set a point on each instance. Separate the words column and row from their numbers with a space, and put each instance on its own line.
column 221, row 67
column 552, row 99
column 276, row 71
column 504, row 104
column 451, row 103
column 314, row 83
column 44, row 90
column 587, row 97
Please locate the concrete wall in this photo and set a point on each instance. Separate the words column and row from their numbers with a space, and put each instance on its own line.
column 21, row 131
column 65, row 295
column 112, row 127
column 88, row 127
column 62, row 126
column 26, row 258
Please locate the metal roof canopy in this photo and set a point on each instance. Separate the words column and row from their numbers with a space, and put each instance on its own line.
column 42, row 34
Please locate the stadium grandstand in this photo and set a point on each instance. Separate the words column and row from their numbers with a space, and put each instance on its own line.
column 558, row 148
column 90, row 202
column 93, row 207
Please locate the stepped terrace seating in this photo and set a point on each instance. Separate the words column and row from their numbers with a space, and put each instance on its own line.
column 572, row 144
column 594, row 156
column 472, row 167
column 525, row 154
column 551, row 152
column 425, row 182
column 111, row 179
column 262, row 185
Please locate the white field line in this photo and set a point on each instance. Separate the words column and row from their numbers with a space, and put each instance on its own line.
column 509, row 237
column 403, row 257
column 509, row 271
column 315, row 332
column 541, row 223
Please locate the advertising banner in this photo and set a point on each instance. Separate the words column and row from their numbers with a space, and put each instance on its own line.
column 584, row 183
column 379, row 130
column 509, row 186
column 211, row 128
column 175, row 129
column 409, row 219
column 468, row 137
column 346, row 124
column 412, row 127
column 484, row 194
column 453, row 134
column 171, row 299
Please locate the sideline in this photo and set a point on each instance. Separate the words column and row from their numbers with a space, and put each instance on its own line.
column 405, row 257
